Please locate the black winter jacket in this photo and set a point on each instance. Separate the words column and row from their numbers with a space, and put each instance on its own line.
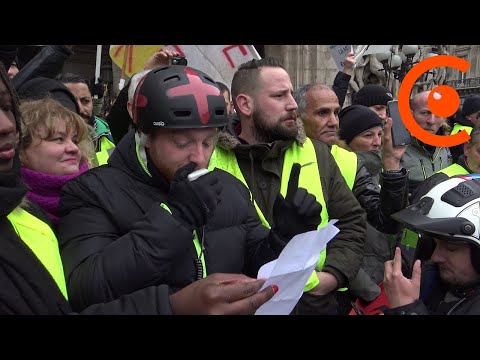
column 437, row 299
column 118, row 118
column 380, row 194
column 340, row 86
column 27, row 288
column 380, row 201
column 115, row 237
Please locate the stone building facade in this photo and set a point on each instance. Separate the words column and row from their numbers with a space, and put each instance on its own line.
column 313, row 63
column 304, row 63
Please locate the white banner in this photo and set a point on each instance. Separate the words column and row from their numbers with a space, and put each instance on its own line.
column 339, row 52
column 218, row 61
column 362, row 50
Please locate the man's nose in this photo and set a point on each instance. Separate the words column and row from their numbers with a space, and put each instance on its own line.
column 198, row 153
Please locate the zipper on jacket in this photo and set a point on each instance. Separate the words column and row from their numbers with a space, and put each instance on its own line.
column 423, row 169
column 198, row 261
column 456, row 306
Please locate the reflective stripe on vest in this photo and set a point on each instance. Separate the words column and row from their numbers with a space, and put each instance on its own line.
column 347, row 163
column 459, row 127
column 196, row 242
column 309, row 179
column 39, row 237
column 103, row 154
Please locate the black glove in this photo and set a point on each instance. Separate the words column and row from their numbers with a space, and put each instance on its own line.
column 193, row 202
column 299, row 212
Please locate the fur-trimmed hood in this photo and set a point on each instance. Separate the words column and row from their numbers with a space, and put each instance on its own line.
column 342, row 144
column 228, row 137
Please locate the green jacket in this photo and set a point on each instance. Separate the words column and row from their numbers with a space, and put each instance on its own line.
column 262, row 166
column 103, row 141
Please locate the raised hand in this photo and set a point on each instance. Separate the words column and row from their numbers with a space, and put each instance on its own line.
column 298, row 212
column 399, row 289
column 160, row 58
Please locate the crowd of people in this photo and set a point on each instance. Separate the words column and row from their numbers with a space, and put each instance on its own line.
column 100, row 216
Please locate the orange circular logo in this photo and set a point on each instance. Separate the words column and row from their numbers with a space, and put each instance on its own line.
column 443, row 106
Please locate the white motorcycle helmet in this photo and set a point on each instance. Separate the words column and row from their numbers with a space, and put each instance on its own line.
column 449, row 211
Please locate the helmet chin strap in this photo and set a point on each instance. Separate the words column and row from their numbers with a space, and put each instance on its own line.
column 141, row 139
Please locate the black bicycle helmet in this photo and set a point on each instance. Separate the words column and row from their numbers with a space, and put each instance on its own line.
column 178, row 97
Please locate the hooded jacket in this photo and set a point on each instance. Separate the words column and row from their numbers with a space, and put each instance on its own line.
column 262, row 165
column 115, row 237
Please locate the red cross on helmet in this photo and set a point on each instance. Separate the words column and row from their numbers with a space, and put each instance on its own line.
column 178, row 97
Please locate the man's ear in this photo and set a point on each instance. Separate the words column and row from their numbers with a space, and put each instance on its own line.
column 466, row 148
column 130, row 111
column 244, row 104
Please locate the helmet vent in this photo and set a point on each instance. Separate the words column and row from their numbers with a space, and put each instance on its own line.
column 465, row 191
column 171, row 78
column 460, row 195
column 182, row 113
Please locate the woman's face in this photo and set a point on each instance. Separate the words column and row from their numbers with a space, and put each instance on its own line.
column 55, row 155
column 370, row 140
column 8, row 130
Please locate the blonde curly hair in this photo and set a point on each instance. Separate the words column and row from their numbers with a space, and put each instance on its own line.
column 46, row 114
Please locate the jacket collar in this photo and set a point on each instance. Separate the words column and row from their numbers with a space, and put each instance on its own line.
column 126, row 157
column 12, row 189
column 228, row 138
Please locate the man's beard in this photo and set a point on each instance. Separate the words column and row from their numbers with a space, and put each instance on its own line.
column 90, row 120
column 267, row 133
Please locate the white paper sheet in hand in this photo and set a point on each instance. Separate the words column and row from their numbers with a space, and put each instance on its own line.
column 291, row 271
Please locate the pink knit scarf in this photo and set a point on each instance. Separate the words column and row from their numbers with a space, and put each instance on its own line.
column 44, row 189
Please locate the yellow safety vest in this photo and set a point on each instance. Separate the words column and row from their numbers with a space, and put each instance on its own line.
column 309, row 179
column 104, row 153
column 454, row 170
column 39, row 237
column 459, row 127
column 347, row 163
column 410, row 238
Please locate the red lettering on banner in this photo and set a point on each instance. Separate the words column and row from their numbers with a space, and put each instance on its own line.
column 228, row 48
column 130, row 58
column 118, row 50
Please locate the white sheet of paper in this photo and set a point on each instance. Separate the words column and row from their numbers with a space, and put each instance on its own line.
column 291, row 271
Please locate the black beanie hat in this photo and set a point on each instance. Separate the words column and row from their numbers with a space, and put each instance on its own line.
column 471, row 105
column 41, row 87
column 356, row 119
column 371, row 95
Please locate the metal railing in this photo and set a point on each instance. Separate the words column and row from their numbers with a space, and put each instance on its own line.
column 464, row 83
